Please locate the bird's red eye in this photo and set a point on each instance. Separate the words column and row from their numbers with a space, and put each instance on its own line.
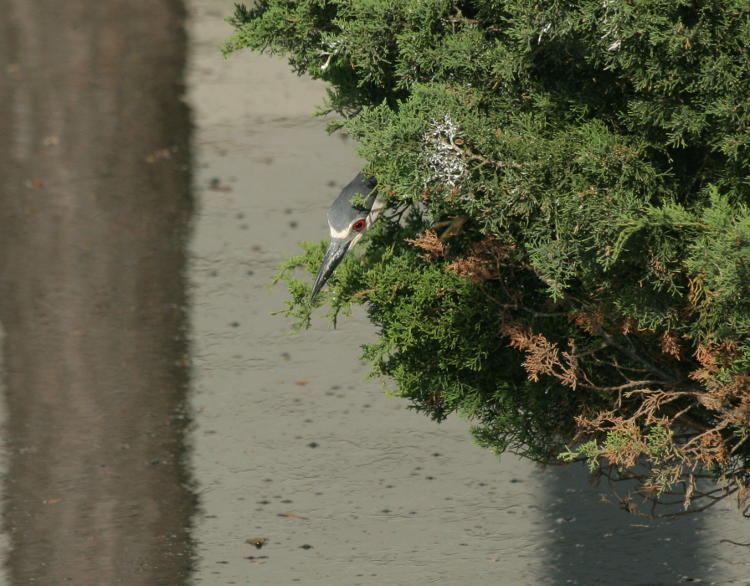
column 359, row 225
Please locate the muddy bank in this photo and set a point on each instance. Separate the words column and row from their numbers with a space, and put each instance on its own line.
column 95, row 185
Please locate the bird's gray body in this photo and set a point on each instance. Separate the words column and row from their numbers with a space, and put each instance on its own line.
column 347, row 222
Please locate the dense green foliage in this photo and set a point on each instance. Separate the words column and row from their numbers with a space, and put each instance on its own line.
column 591, row 161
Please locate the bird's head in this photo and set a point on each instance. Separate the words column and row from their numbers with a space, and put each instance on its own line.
column 347, row 222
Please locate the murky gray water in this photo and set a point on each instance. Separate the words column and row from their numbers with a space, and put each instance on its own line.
column 144, row 445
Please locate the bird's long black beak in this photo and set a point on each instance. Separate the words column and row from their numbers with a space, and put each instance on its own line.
column 335, row 253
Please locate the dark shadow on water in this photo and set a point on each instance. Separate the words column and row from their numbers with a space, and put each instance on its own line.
column 593, row 542
column 94, row 217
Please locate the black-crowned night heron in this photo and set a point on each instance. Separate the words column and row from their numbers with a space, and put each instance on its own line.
column 348, row 222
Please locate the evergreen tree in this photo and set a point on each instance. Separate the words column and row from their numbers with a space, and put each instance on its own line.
column 566, row 256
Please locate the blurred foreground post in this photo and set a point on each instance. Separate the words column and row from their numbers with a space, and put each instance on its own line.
column 94, row 185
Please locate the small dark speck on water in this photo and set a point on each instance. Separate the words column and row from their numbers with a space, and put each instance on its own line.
column 293, row 224
column 306, row 546
column 313, row 445
column 240, row 216
column 157, row 462
column 251, row 273
column 235, row 324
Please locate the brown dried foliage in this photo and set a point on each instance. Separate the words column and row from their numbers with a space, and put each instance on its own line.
column 484, row 261
column 589, row 321
column 729, row 398
column 694, row 446
column 429, row 242
column 542, row 356
column 670, row 344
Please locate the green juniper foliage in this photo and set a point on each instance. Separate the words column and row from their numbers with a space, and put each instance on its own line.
column 567, row 261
